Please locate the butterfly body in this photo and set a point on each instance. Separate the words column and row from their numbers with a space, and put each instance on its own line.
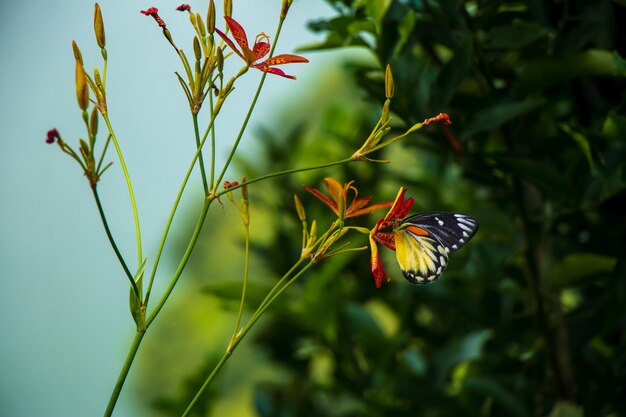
column 423, row 242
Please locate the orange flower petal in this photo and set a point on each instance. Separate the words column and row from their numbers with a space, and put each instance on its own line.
column 367, row 210
column 376, row 265
column 230, row 43
column 330, row 203
column 283, row 59
column 238, row 32
column 274, row 71
column 261, row 49
column 399, row 209
column 386, row 239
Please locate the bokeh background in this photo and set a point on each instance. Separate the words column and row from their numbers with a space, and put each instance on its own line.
column 529, row 318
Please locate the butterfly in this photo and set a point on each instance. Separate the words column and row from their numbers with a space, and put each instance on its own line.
column 423, row 242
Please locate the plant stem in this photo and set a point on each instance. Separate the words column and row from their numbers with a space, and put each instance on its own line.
column 183, row 262
column 124, row 373
column 105, row 116
column 212, row 168
column 245, row 281
column 243, row 333
column 112, row 241
column 285, row 172
column 249, row 114
column 200, row 159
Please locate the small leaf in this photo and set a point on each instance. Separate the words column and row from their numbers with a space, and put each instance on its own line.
column 495, row 116
column 577, row 267
column 583, row 143
column 515, row 35
column 564, row 409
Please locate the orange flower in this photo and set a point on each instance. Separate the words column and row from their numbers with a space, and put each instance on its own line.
column 398, row 210
column 259, row 50
column 339, row 198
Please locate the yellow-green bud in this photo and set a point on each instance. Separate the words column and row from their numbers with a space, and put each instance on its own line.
column 299, row 208
column 388, row 82
column 210, row 18
column 200, row 24
column 98, row 26
column 77, row 55
column 197, row 50
column 82, row 92
column 228, row 8
column 285, row 8
column 93, row 121
column 220, row 60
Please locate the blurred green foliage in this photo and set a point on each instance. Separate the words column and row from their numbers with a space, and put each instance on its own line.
column 529, row 319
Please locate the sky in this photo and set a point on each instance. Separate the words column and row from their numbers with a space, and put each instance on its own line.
column 63, row 299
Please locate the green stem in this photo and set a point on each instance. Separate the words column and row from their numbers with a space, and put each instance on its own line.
column 245, row 281
column 130, row 187
column 285, row 172
column 175, row 206
column 183, row 262
column 249, row 114
column 124, row 373
column 112, row 241
column 200, row 159
column 243, row 333
column 212, row 168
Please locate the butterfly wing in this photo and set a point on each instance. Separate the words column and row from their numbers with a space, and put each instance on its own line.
column 453, row 230
column 424, row 240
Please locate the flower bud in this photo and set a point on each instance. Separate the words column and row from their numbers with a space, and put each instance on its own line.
column 285, row 8
column 196, row 48
column 52, row 135
column 200, row 24
column 98, row 26
column 82, row 92
column 220, row 60
column 228, row 8
column 210, row 18
column 388, row 82
column 77, row 55
column 299, row 208
column 93, row 121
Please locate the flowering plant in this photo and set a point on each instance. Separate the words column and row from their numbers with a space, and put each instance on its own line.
column 204, row 79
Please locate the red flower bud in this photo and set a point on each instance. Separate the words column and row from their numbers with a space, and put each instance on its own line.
column 183, row 7
column 52, row 135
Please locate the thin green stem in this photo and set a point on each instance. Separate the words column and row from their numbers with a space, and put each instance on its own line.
column 242, row 334
column 245, row 280
column 130, row 187
column 183, row 262
column 124, row 373
column 175, row 205
column 249, row 114
column 200, row 159
column 285, row 172
column 112, row 241
column 212, row 168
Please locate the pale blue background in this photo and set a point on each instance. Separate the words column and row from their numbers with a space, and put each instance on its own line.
column 63, row 299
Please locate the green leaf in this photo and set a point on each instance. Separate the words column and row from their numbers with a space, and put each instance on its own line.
column 583, row 143
column 375, row 8
column 515, row 35
column 564, row 409
column 578, row 267
column 488, row 387
column 499, row 114
column 454, row 72
column 555, row 70
column 546, row 178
